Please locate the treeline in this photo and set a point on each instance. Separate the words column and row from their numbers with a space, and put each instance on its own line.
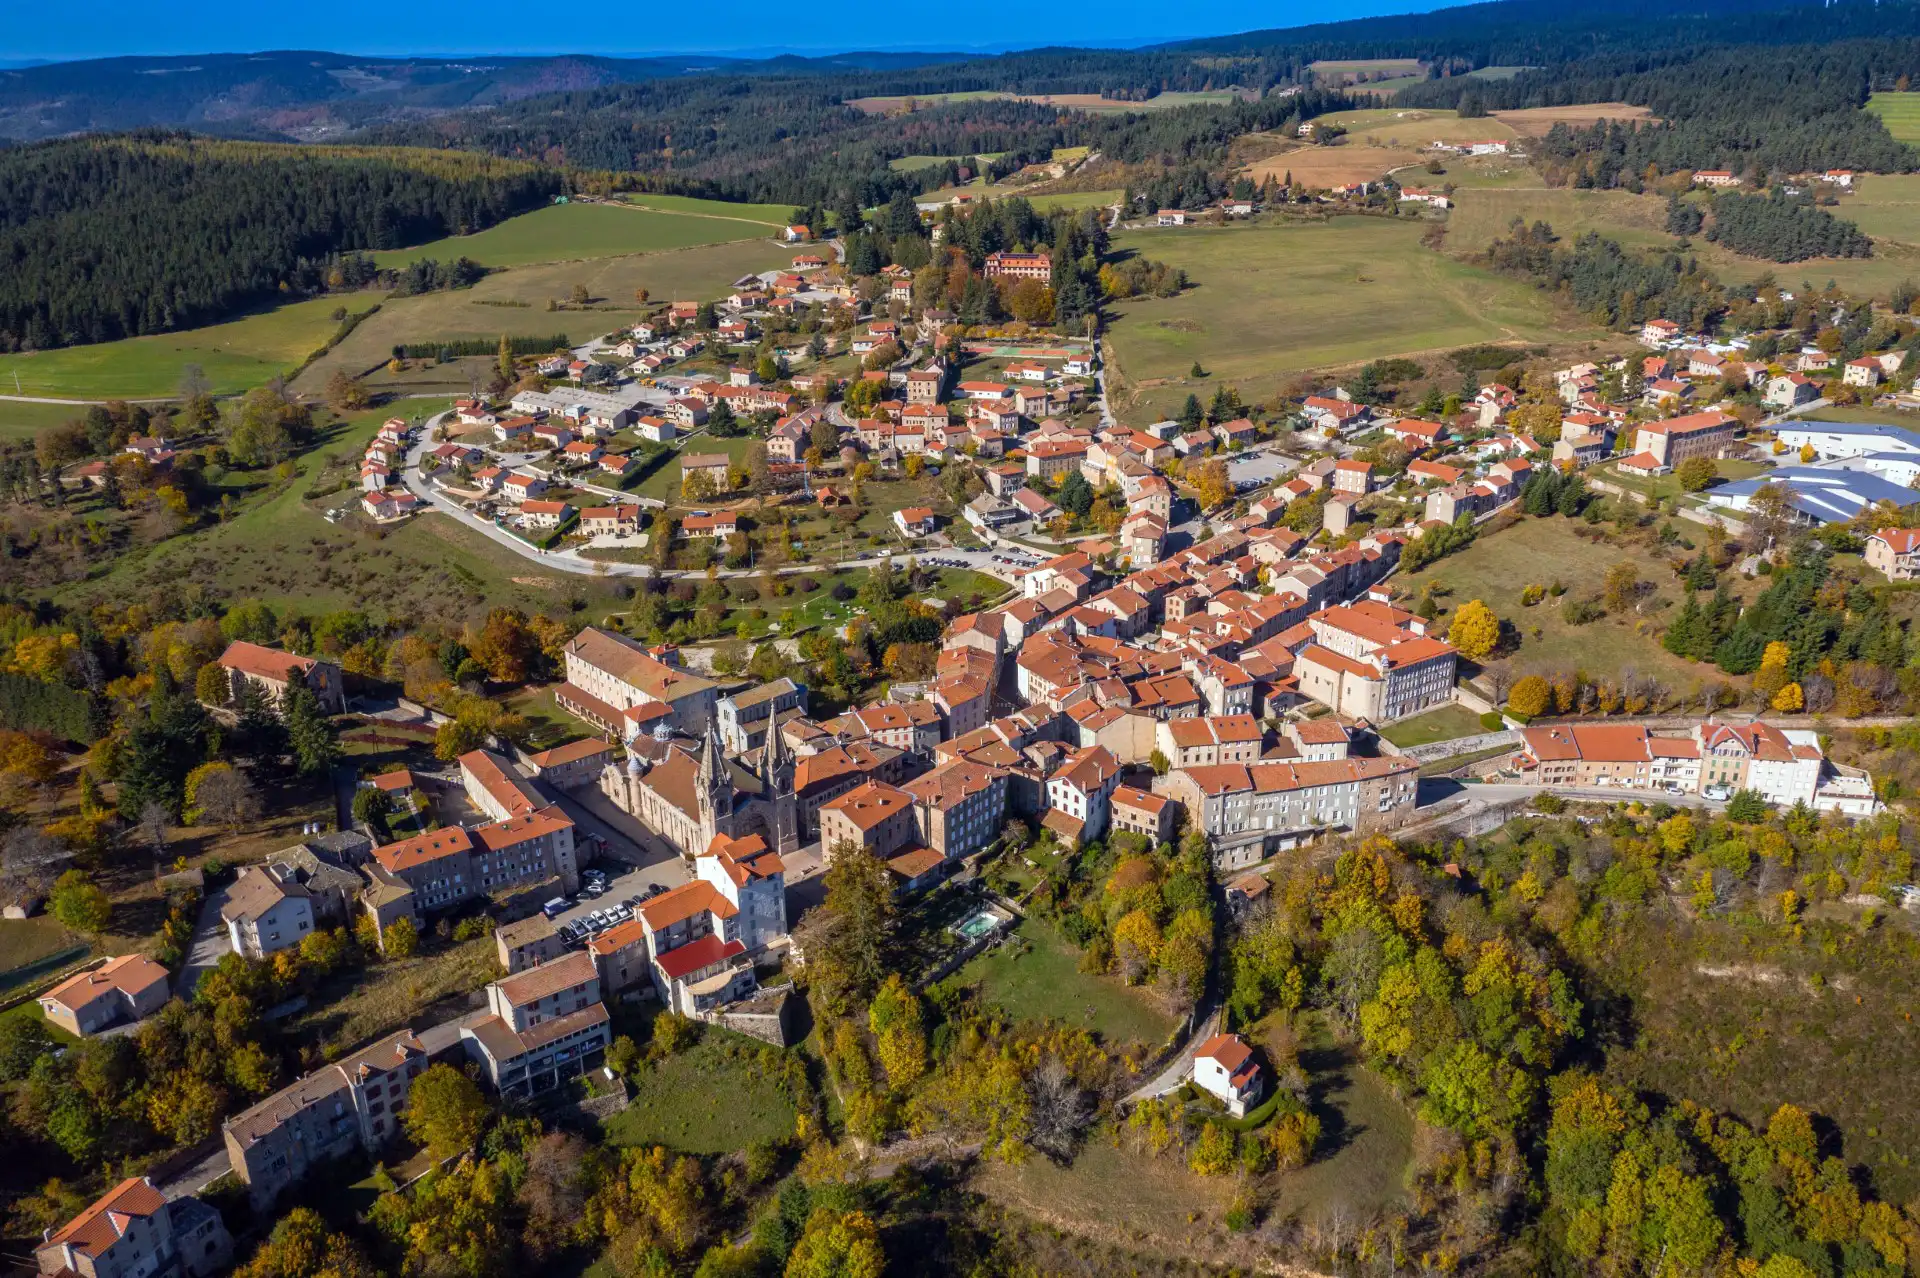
column 1751, row 108
column 28, row 704
column 1607, row 284
column 105, row 238
column 1783, row 228
column 454, row 348
column 795, row 141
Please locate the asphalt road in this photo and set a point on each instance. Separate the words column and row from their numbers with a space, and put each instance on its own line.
column 569, row 561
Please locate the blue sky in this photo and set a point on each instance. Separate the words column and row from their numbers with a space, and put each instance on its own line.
column 113, row 27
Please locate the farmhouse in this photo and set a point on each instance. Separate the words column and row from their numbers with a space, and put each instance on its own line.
column 272, row 671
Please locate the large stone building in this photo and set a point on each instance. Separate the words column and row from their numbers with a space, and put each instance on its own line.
column 1371, row 661
column 273, row 671
column 689, row 792
column 615, row 684
column 1251, row 810
column 352, row 1104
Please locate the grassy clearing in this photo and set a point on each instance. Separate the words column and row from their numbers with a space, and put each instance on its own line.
column 1056, row 200
column 393, row 993
column 1885, row 205
column 1366, row 1142
column 20, row 421
column 1665, row 487
column 278, row 548
column 27, row 942
column 570, row 232
column 1444, row 724
column 1271, row 301
column 710, row 1099
column 1043, row 981
column 765, row 214
column 1538, row 120
column 515, row 301
column 1900, row 112
column 1394, row 127
column 1499, row 565
column 1482, row 215
column 234, row 356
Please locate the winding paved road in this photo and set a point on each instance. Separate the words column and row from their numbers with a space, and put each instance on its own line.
column 571, row 561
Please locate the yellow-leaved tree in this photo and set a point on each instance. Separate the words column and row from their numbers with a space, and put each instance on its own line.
column 1475, row 631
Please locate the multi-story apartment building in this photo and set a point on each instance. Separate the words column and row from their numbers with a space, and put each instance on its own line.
column 1189, row 743
column 613, row 682
column 959, row 807
column 1371, row 661
column 1078, row 793
column 1784, row 765
column 265, row 914
column 543, row 1026
column 913, row 726
column 1251, row 810
column 133, row 1231
column 873, row 816
column 1676, row 439
column 1142, row 812
column 352, row 1104
column 1895, row 552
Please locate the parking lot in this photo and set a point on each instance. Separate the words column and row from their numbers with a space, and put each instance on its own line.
column 1258, row 468
column 615, row 905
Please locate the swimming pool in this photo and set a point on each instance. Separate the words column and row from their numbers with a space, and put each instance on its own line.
column 978, row 925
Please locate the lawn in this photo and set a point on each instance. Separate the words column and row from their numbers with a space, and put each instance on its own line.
column 356, row 1007
column 515, row 301
column 1444, row 724
column 30, row 943
column 710, row 1099
column 1482, row 215
column 1885, row 206
column 1271, row 301
column 1900, row 112
column 22, row 421
column 1663, row 487
column 569, row 232
column 236, row 355
column 1043, row 981
column 1499, row 565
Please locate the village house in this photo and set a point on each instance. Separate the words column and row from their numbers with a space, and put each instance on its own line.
column 545, row 1024
column 1894, row 552
column 1225, row 1069
column 1251, row 810
column 129, row 988
column 136, row 1231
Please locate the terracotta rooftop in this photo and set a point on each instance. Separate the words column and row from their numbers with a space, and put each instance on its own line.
column 130, row 974
column 547, row 979
column 264, row 663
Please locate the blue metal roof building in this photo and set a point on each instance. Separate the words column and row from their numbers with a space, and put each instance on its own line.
column 1820, row 495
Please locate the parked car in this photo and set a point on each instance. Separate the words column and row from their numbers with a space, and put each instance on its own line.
column 555, row 908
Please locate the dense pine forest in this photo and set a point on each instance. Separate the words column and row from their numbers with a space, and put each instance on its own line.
column 1783, row 228
column 104, row 238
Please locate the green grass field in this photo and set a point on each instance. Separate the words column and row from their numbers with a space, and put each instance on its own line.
column 1271, row 301
column 1885, row 205
column 571, row 232
column 515, row 301
column 765, row 214
column 238, row 354
column 20, row 420
column 710, row 1099
column 1900, row 112
column 1482, row 215
column 1045, row 982
column 1499, row 565
column 1443, row 724
column 1058, row 200
column 908, row 163
column 29, row 943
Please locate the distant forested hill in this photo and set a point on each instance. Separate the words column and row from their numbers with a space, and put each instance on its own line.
column 104, row 238
column 1781, row 109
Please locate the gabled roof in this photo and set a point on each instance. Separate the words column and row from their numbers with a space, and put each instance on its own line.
column 264, row 663
column 101, row 1225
